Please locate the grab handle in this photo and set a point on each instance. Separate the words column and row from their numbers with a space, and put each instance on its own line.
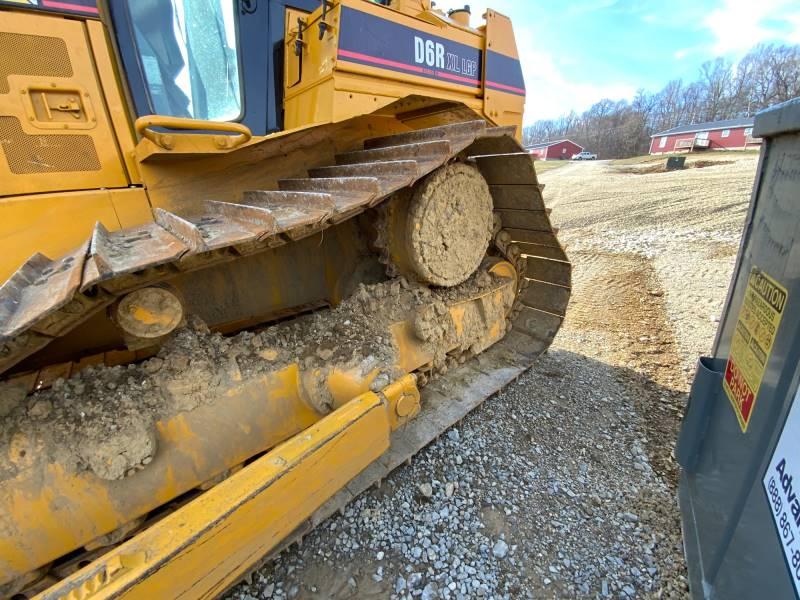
column 144, row 124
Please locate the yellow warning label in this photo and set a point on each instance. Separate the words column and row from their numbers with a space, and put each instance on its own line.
column 759, row 318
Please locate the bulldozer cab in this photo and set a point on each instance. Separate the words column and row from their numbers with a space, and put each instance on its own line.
column 190, row 59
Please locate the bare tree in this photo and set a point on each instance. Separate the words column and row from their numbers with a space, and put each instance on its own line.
column 767, row 75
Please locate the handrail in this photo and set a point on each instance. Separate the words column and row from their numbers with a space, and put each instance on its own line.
column 166, row 140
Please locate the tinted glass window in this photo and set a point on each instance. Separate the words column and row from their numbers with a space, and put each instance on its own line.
column 188, row 53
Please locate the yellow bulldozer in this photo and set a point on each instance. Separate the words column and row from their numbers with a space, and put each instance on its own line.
column 255, row 254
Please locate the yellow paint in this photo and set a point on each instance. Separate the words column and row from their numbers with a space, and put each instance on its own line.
column 148, row 317
column 403, row 400
column 43, row 512
column 346, row 385
column 63, row 221
column 457, row 314
column 501, row 107
column 131, row 206
column 231, row 135
column 110, row 83
column 176, row 431
column 200, row 549
column 411, row 351
column 91, row 129
column 503, row 268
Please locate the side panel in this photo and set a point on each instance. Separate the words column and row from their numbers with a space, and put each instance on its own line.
column 371, row 56
column 55, row 133
column 409, row 49
column 63, row 221
column 504, row 86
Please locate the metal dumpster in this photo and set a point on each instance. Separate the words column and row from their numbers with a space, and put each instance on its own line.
column 739, row 446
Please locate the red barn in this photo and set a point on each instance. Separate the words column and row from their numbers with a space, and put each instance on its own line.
column 733, row 134
column 556, row 150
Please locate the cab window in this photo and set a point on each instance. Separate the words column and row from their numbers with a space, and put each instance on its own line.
column 188, row 53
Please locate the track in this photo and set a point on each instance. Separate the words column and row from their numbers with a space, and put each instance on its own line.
column 45, row 299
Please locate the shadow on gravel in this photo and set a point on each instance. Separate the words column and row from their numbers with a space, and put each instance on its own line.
column 559, row 486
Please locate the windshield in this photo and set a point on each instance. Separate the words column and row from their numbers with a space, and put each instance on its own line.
column 188, row 53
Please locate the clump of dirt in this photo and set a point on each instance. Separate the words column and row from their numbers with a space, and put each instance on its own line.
column 103, row 418
column 701, row 164
column 662, row 167
column 11, row 395
column 130, row 450
column 430, row 323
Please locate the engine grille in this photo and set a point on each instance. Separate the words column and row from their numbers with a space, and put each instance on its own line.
column 36, row 55
column 49, row 153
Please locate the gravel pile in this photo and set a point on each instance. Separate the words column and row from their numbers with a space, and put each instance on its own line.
column 562, row 485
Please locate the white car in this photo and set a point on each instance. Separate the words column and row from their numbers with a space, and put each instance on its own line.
column 585, row 155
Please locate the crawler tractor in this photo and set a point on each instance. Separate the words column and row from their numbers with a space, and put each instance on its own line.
column 255, row 254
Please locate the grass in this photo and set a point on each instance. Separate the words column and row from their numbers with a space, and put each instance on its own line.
column 713, row 154
column 542, row 166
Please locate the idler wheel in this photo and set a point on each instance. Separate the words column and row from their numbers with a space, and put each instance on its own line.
column 440, row 231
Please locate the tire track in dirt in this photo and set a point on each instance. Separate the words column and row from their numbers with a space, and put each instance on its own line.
column 618, row 302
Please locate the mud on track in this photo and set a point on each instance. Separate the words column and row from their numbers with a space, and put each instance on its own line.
column 563, row 484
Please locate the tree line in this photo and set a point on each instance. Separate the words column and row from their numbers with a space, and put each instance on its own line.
column 767, row 75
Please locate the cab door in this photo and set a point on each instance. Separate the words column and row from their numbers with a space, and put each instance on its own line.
column 55, row 134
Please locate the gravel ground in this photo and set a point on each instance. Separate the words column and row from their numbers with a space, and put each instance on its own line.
column 563, row 485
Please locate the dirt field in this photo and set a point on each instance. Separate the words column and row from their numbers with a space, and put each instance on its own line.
column 563, row 485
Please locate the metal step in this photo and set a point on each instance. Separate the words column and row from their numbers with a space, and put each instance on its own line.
column 350, row 194
column 392, row 175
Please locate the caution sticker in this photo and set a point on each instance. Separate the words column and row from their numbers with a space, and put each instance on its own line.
column 759, row 318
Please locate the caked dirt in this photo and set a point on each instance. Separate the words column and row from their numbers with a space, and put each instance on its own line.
column 661, row 167
column 451, row 224
column 103, row 419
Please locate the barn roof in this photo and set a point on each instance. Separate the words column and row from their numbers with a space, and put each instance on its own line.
column 711, row 125
column 550, row 143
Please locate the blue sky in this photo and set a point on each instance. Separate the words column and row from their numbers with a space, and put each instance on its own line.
column 577, row 52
